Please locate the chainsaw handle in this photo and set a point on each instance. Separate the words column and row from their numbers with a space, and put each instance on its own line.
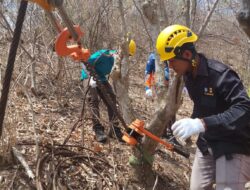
column 181, row 152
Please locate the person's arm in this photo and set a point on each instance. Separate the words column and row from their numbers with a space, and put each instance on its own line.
column 231, row 89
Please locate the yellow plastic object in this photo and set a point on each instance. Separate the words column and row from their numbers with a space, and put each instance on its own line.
column 44, row 4
column 132, row 47
column 172, row 37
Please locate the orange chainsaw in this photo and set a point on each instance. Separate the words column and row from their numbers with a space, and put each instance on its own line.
column 137, row 131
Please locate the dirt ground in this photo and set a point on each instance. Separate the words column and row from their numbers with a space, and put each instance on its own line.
column 84, row 163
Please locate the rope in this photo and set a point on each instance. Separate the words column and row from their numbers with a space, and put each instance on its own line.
column 11, row 61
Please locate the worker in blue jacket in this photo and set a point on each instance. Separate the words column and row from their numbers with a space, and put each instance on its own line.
column 150, row 76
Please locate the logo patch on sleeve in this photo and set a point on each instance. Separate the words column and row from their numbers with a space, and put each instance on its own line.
column 208, row 91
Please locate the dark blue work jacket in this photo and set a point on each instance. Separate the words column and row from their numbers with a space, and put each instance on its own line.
column 220, row 99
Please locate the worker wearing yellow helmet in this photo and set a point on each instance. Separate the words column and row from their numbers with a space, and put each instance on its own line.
column 171, row 44
column 221, row 113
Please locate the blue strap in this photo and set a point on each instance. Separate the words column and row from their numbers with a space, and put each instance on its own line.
column 166, row 73
column 84, row 75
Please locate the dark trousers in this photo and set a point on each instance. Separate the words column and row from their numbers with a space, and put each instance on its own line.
column 93, row 101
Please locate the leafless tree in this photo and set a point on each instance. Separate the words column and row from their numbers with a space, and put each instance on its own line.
column 108, row 24
column 244, row 16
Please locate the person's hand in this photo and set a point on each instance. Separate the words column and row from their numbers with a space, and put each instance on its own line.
column 92, row 83
column 149, row 93
column 187, row 127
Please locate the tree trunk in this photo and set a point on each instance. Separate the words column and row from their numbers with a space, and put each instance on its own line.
column 193, row 12
column 188, row 11
column 142, row 159
column 163, row 14
column 120, row 75
column 151, row 11
column 166, row 106
column 244, row 16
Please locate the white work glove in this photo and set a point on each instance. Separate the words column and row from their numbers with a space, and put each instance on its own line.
column 187, row 127
column 149, row 93
column 92, row 83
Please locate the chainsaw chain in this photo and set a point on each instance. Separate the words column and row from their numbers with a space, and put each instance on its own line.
column 110, row 101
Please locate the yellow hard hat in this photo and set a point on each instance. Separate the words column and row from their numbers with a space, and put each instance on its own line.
column 132, row 47
column 171, row 38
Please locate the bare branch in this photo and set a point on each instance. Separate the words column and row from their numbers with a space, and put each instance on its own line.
column 25, row 165
column 207, row 19
column 36, row 133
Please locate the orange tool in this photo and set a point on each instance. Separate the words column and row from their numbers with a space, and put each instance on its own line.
column 138, row 130
column 134, row 134
column 75, row 51
column 67, row 35
column 44, row 4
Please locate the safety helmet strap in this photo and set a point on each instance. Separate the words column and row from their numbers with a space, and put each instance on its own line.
column 179, row 51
